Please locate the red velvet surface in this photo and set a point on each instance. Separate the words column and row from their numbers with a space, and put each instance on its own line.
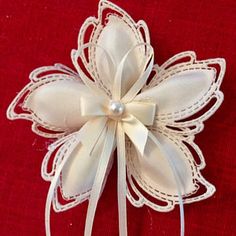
column 37, row 33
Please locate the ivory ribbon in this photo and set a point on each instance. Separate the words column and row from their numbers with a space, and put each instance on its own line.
column 100, row 175
column 133, row 123
column 179, row 185
column 121, row 191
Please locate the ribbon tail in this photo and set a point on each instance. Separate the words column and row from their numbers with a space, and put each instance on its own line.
column 99, row 178
column 177, row 179
column 121, row 181
column 136, row 131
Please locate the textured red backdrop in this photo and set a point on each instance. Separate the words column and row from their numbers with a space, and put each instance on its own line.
column 37, row 33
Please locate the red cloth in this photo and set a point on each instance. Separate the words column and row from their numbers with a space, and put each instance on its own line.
column 37, row 33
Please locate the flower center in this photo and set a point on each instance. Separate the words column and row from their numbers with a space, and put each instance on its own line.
column 116, row 108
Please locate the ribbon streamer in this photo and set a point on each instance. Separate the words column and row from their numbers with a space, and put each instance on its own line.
column 177, row 179
column 100, row 175
column 121, row 181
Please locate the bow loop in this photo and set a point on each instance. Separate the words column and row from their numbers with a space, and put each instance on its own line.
column 93, row 106
column 145, row 69
column 143, row 111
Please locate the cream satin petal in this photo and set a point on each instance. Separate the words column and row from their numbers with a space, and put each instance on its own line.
column 117, row 38
column 79, row 172
column 58, row 151
column 182, row 94
column 153, row 171
column 57, row 104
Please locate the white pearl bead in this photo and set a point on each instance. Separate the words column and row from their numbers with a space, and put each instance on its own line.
column 116, row 108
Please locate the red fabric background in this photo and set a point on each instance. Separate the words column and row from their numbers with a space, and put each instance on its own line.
column 37, row 33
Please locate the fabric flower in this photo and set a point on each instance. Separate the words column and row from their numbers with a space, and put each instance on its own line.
column 118, row 99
